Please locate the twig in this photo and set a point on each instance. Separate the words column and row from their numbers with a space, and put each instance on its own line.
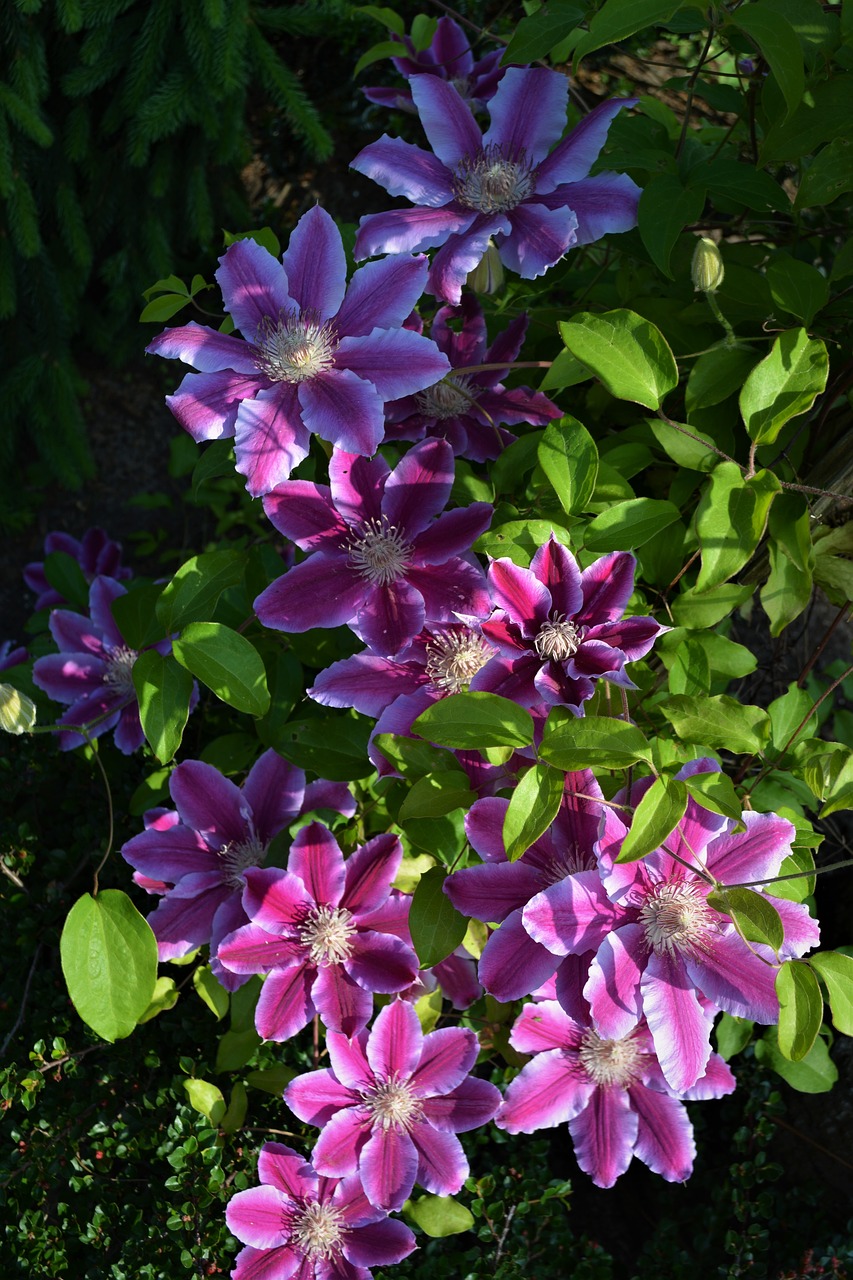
column 24, row 998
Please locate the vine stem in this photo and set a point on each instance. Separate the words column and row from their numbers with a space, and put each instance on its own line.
column 793, row 875
column 502, row 364
column 837, row 620
column 691, row 90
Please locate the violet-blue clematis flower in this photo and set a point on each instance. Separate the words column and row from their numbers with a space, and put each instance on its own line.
column 667, row 952
column 315, row 356
column 391, row 1104
column 501, row 184
column 449, row 56
column 559, row 629
column 93, row 671
column 11, row 657
column 96, row 553
column 381, row 560
column 299, row 1224
column 610, row 1090
column 197, row 854
column 321, row 932
column 470, row 409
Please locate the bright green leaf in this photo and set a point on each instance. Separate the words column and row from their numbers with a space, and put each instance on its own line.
column 163, row 691
column 209, row 989
column 815, row 1073
column 109, row 959
column 784, row 384
column 732, row 1035
column 836, row 969
column 437, row 794
column 754, row 917
column 439, row 1216
column 569, row 458
column 227, row 663
column 655, row 818
column 715, row 791
column 437, row 928
column 194, row 590
column 718, row 722
column 519, row 540
column 730, row 521
column 165, row 997
column 629, row 354
column 205, row 1098
column 532, row 808
column 800, row 1009
column 631, row 524
column 593, row 742
column 164, row 307
column 469, row 721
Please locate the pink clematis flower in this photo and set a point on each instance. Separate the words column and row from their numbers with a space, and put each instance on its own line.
column 391, row 1105
column 323, row 932
column 611, row 1092
column 301, row 1225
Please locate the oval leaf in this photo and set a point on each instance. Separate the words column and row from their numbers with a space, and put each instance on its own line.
column 437, row 928
column 164, row 691
column 836, row 969
column 469, row 721
column 205, row 1098
column 800, row 1009
column 601, row 741
column 569, row 458
column 784, row 384
column 193, row 592
column 655, row 817
column 754, row 917
column 439, row 1216
column 629, row 354
column 630, row 524
column 109, row 959
column 532, row 808
column 226, row 663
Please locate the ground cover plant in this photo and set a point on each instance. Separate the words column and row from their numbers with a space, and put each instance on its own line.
column 477, row 781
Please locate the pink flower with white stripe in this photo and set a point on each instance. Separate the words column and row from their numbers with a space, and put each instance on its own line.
column 391, row 1104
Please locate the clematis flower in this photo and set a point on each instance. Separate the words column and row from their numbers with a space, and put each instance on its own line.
column 559, row 629
column 96, row 553
column 666, row 947
column 501, row 185
column 611, row 1092
column 468, row 409
column 512, row 964
column 391, row 1105
column 297, row 1223
column 382, row 560
column 93, row 672
column 315, row 356
column 10, row 657
column 449, row 56
column 197, row 854
column 320, row 930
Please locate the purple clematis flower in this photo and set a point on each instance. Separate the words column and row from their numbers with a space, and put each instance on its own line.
column 392, row 1103
column 611, row 1092
column 10, row 657
column 96, row 553
column 315, row 355
column 502, row 184
column 468, row 410
column 512, row 964
column 559, row 629
column 301, row 1225
column 92, row 672
column 321, row 931
column 448, row 56
column 382, row 559
column 666, row 947
column 197, row 854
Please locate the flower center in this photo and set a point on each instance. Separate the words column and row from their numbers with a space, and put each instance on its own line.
column 119, row 668
column 295, row 347
column 676, row 919
column 491, row 182
column 318, row 1230
column 565, row 862
column 237, row 856
column 393, row 1105
column 446, row 399
column 557, row 638
column 379, row 551
column 327, row 933
column 454, row 657
column 610, row 1062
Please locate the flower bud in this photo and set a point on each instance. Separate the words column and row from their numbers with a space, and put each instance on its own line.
column 707, row 268
column 17, row 711
column 488, row 275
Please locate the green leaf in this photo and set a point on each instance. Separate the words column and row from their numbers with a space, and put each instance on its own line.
column 732, row 1035
column 227, row 663
column 376, row 52
column 272, row 1080
column 629, row 354
column 593, row 741
column 828, row 176
column 332, row 746
column 789, row 524
column 730, row 179
column 797, row 287
column 437, row 794
column 135, row 615
column 470, row 721
column 164, row 691
column 386, row 17
column 165, row 997
column 630, row 524
column 666, row 207
column 754, row 917
column 414, row 758
column 655, row 818
column 238, row 1105
column 787, row 713
column 715, row 376
column 815, row 1073
column 205, row 1098
column 216, row 460
column 799, row 862
column 693, row 451
column 718, row 722
column 565, row 371
column 700, row 610
column 519, row 540
column 439, row 1216
column 164, row 307
column 836, row 969
column 264, row 236
column 235, row 1049
column 569, row 458
column 617, row 19
column 783, row 385
column 64, row 574
column 109, row 959
column 730, row 521
column 533, row 806
column 210, row 990
column 715, row 791
column 826, row 112
column 192, row 594
column 781, row 49
column 422, row 31
column 800, row 1009
column 437, row 928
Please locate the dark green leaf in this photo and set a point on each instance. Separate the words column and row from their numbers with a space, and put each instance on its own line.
column 828, row 176
column 617, row 19
column 732, row 1035
column 437, row 794
column 569, row 458
column 594, row 742
column 64, row 574
column 754, row 917
column 797, row 287
column 332, row 746
column 437, row 928
column 227, row 663
column 192, row 594
column 163, row 691
column 666, row 207
column 135, row 615
column 109, row 959
column 716, row 375
column 778, row 42
column 630, row 524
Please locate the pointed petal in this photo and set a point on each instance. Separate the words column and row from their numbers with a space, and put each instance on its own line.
column 754, row 853
column 613, row 986
column 605, row 204
column 259, row 1216
column 208, row 802
column 382, row 294
column 282, row 1167
column 419, row 486
column 378, row 1244
column 169, row 854
column 718, row 1080
column 369, row 872
column 453, row 533
column 388, row 1166
column 396, row 1043
column 410, row 230
column 266, row 1264
column 451, row 588
column 315, row 264
column 442, row 1165
column 736, row 979
column 206, row 404
column 461, row 252
column 802, row 932
column 406, row 170
column 558, row 570
column 366, row 682
column 543, row 1026
column 396, row 362
column 344, row 409
column 472, row 1103
column 572, row 916
column 349, row 1061
column 205, row 349
column 573, row 158
column 607, row 585
column 677, row 1021
column 528, row 112
column 540, row 236
column 484, row 824
column 276, row 899
column 273, row 791
column 521, row 594
column 253, row 949
column 550, row 1090
column 270, row 438
column 382, row 963
column 285, row 1005
column 492, row 892
column 357, row 485
column 254, row 286
column 322, row 591
column 604, row 1136
column 664, row 1136
column 305, row 513
column 316, row 858
column 447, row 120
column 342, row 1004
column 512, row 964
column 182, row 924
column 392, row 615
column 316, row 1096
column 447, row 1058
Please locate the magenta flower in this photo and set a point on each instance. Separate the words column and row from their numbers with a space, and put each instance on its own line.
column 468, row 409
column 512, row 964
column 559, row 629
column 319, row 930
column 315, row 355
column 96, row 553
column 502, row 184
column 611, row 1092
column 666, row 947
column 197, row 855
column 298, row 1224
column 391, row 1105
column 382, row 560
column 448, row 56
column 92, row 672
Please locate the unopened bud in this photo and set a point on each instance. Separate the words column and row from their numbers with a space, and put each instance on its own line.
column 707, row 268
column 488, row 275
column 17, row 711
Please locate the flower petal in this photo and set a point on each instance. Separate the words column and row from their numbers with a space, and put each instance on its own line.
column 315, row 264
column 396, row 362
column 472, row 1103
column 447, row 120
column 208, row 802
column 558, row 570
column 254, row 286
column 316, row 858
column 388, row 1166
column 442, row 1164
column 664, row 1136
column 521, row 594
column 419, row 486
column 378, row 1243
column 382, row 294
column 543, row 1026
column 270, row 438
column 571, row 916
column 607, row 203
column 453, row 533
column 613, row 986
column 381, row 962
column 540, row 237
column 736, row 979
column 512, row 964
column 604, row 1136
column 528, row 113
column 273, row 791
column 550, row 1090
column 205, row 349
column 396, row 1043
column 751, row 854
column 305, row 513
column 409, row 230
column 316, row 1097
column 285, row 1005
column 678, row 1023
column 322, row 591
column 259, row 1216
column 391, row 616
column 573, row 158
column 447, row 1058
column 282, row 1167
column 343, row 1004
column 206, row 404
column 461, row 252
column 344, row 409
column 369, row 872
column 406, row 170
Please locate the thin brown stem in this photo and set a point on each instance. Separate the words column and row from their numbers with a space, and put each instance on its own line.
column 691, row 90
column 837, row 620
